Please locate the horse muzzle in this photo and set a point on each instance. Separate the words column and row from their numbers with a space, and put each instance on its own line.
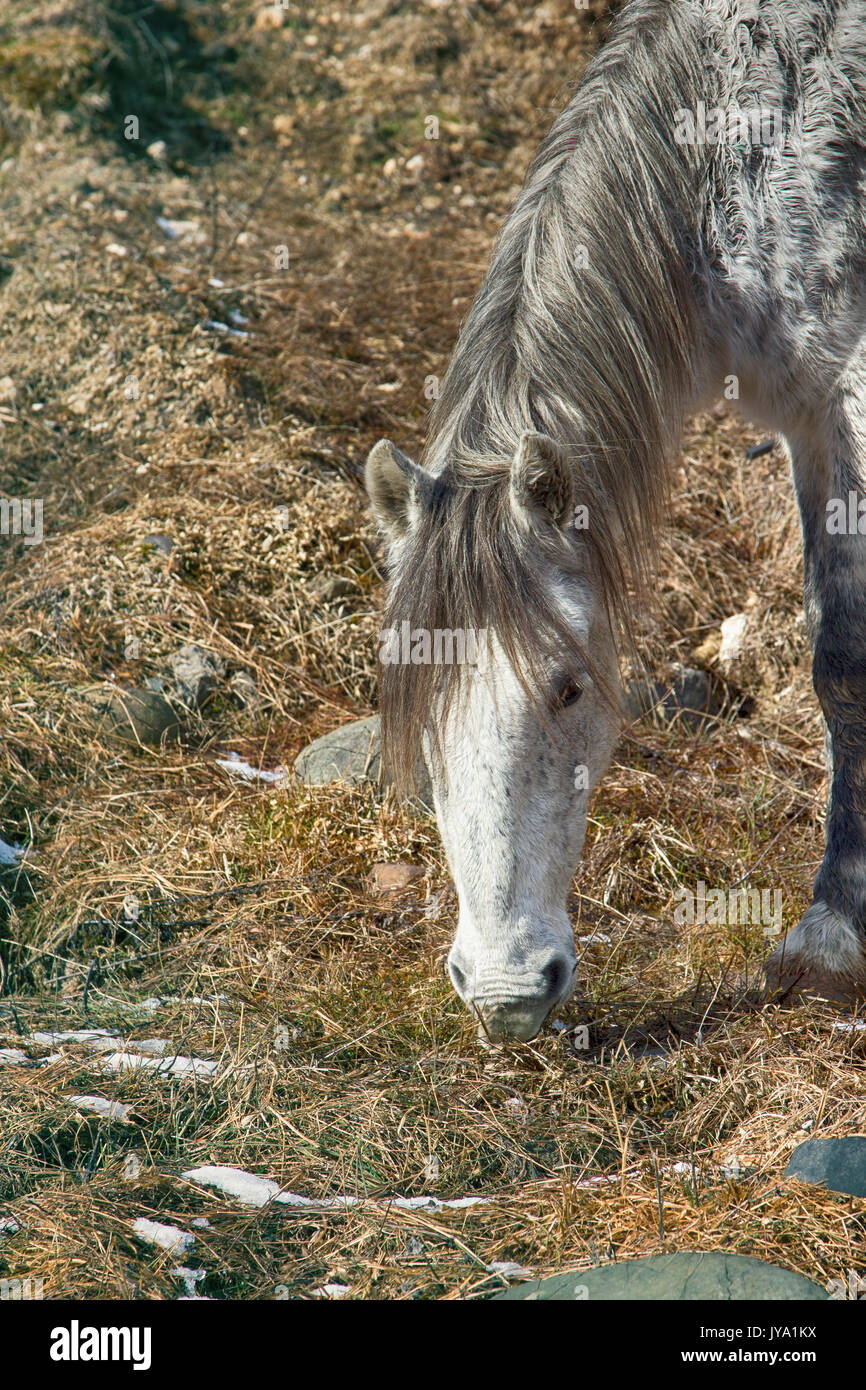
column 513, row 1006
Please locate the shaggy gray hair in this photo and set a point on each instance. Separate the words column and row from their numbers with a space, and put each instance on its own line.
column 585, row 316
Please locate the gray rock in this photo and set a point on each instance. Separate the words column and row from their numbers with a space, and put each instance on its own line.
column 353, row 754
column 246, row 692
column 197, row 674
column 692, row 699
column 839, row 1164
column 140, row 716
column 164, row 545
column 679, row 1277
column 327, row 588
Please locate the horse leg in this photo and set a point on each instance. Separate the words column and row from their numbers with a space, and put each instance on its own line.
column 825, row 954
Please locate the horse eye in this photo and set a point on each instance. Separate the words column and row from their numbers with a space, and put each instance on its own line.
column 568, row 693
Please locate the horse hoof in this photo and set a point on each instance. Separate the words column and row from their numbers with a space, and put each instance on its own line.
column 822, row 958
column 793, row 981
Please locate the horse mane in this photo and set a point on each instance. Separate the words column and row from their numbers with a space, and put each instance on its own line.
column 584, row 328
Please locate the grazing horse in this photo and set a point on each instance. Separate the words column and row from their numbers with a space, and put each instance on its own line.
column 694, row 223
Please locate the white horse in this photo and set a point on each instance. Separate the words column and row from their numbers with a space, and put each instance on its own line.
column 696, row 219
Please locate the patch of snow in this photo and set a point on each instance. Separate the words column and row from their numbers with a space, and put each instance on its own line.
column 509, row 1270
column 162, row 1002
column 189, row 1278
column 8, row 1226
column 254, row 1191
column 98, row 1105
column 239, row 767
column 166, row 1237
column 733, row 1170
column 248, row 1188
column 10, row 854
column 332, row 1291
column 10, row 1056
column 603, row 1178
column 215, row 326
column 153, row 1047
column 518, row 1107
column 74, row 1035
column 176, row 230
column 433, row 1203
column 733, row 633
column 163, row 1066
column 854, row 1025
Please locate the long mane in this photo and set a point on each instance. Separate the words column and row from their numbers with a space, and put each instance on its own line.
column 584, row 328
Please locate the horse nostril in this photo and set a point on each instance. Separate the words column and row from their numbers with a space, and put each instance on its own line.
column 557, row 974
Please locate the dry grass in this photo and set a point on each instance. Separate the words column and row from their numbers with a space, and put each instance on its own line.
column 345, row 1064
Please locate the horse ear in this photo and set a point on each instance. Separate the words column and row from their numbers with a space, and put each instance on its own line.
column 541, row 482
column 395, row 486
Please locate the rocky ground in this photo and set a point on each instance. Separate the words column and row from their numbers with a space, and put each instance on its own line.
column 231, row 258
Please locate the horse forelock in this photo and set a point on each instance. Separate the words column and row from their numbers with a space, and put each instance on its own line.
column 471, row 569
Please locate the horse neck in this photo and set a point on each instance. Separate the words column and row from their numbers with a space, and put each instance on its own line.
column 587, row 323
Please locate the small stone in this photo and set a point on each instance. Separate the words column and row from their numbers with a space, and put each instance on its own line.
column 197, row 674
column 839, row 1164
column 733, row 635
column 393, row 878
column 141, row 716
column 177, row 230
column 685, row 1276
column 8, row 390
column 157, row 149
column 131, row 1167
column 159, row 542
column 692, row 699
column 326, row 588
column 353, row 754
column 244, row 688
